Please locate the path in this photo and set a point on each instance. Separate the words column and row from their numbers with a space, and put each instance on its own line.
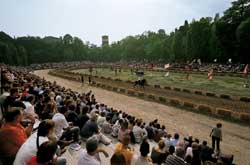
column 236, row 138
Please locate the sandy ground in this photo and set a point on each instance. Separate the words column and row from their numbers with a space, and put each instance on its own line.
column 236, row 138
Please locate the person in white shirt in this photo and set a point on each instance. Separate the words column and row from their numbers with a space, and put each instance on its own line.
column 138, row 132
column 90, row 155
column 63, row 130
column 31, row 145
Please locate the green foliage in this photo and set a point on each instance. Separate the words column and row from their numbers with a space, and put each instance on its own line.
column 206, row 39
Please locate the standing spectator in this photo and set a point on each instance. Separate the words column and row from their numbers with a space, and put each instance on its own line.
column 216, row 135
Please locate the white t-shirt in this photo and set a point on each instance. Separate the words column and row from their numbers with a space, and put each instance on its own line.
column 28, row 149
column 86, row 159
column 138, row 133
column 60, row 123
column 29, row 110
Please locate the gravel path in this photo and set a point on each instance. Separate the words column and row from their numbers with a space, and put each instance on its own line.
column 236, row 138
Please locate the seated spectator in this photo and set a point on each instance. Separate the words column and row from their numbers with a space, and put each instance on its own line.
column 29, row 148
column 15, row 133
column 158, row 154
column 46, row 155
column 206, row 152
column 167, row 141
column 83, row 117
column 117, row 159
column 178, row 158
column 10, row 100
column 116, row 127
column 138, row 132
column 196, row 154
column 63, row 130
column 101, row 119
column 144, row 150
column 174, row 141
column 162, row 131
column 29, row 110
column 90, row 155
column 123, row 131
column 150, row 131
column 71, row 115
column 90, row 127
column 106, row 126
column 124, row 148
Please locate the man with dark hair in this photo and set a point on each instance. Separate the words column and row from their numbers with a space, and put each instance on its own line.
column 90, row 156
column 83, row 117
column 178, row 158
column 62, row 128
column 216, row 135
column 144, row 150
column 15, row 133
column 10, row 100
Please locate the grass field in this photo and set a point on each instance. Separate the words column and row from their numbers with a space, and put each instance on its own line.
column 219, row 84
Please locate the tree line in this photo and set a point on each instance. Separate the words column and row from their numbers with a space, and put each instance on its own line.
column 207, row 39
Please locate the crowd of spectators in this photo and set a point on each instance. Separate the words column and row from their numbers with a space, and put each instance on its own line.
column 43, row 117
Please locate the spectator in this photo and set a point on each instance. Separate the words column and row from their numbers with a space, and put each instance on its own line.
column 124, row 148
column 90, row 127
column 117, row 159
column 15, row 133
column 106, row 126
column 138, row 132
column 101, row 119
column 216, row 135
column 158, row 154
column 31, row 145
column 45, row 154
column 144, row 150
column 196, row 154
column 123, row 131
column 116, row 127
column 83, row 117
column 174, row 141
column 10, row 100
column 150, row 131
column 178, row 158
column 90, row 155
column 63, row 130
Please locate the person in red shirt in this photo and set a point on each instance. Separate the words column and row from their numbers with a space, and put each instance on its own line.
column 12, row 134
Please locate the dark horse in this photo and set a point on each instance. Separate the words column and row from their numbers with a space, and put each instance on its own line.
column 141, row 83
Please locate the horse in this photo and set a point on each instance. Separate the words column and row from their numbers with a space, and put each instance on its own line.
column 141, row 83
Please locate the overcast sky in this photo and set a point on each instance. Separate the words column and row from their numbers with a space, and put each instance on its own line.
column 90, row 19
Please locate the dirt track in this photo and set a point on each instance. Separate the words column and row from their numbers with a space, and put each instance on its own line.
column 236, row 138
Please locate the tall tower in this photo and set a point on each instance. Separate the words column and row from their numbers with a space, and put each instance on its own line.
column 105, row 40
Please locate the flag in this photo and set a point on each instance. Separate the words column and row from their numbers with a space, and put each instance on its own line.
column 245, row 69
column 166, row 66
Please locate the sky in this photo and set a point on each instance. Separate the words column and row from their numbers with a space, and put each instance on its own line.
column 90, row 19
